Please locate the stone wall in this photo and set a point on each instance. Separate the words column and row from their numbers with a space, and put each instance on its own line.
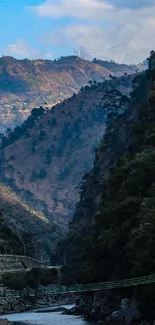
column 17, row 262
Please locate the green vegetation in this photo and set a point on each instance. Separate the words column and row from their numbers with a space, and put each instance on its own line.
column 19, row 131
column 32, row 279
column 38, row 175
column 120, row 242
column 9, row 241
column 48, row 156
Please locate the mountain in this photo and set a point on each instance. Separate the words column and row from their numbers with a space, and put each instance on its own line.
column 25, row 84
column 119, row 69
column 44, row 160
column 112, row 235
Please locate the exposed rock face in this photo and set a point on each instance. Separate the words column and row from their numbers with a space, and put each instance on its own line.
column 107, row 308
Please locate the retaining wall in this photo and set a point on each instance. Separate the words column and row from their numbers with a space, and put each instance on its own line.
column 17, row 262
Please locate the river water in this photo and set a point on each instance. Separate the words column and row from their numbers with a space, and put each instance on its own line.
column 45, row 318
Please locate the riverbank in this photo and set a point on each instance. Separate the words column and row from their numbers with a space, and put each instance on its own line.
column 28, row 303
column 54, row 318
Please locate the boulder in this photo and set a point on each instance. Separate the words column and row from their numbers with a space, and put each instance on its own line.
column 116, row 317
column 130, row 311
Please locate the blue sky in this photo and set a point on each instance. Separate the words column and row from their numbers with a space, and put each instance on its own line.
column 122, row 30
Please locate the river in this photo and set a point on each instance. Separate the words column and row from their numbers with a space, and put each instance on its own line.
column 45, row 318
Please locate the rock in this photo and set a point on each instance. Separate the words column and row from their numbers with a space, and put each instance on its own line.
column 127, row 314
column 116, row 317
column 130, row 311
column 76, row 310
column 51, row 310
column 5, row 322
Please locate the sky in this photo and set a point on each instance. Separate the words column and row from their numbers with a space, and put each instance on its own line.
column 119, row 30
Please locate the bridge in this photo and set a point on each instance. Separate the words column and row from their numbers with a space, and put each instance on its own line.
column 56, row 289
column 59, row 289
column 8, row 295
column 17, row 263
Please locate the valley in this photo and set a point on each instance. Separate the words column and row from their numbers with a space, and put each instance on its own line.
column 46, row 160
column 87, row 215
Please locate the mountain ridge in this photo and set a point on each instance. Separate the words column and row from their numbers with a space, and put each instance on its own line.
column 25, row 84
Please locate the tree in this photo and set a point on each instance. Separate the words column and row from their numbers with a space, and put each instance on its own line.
column 37, row 112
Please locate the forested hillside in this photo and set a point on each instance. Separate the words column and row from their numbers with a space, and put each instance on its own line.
column 118, row 69
column 44, row 160
column 112, row 235
column 36, row 235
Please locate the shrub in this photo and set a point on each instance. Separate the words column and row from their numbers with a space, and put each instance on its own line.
column 42, row 173
column 48, row 156
column 42, row 135
column 32, row 278
column 54, row 122
column 13, row 281
column 34, row 176
column 12, row 157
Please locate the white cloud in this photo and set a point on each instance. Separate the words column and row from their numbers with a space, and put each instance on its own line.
column 48, row 56
column 21, row 49
column 89, row 9
column 107, row 24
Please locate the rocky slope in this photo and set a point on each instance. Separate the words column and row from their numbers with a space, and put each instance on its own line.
column 45, row 163
column 26, row 84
